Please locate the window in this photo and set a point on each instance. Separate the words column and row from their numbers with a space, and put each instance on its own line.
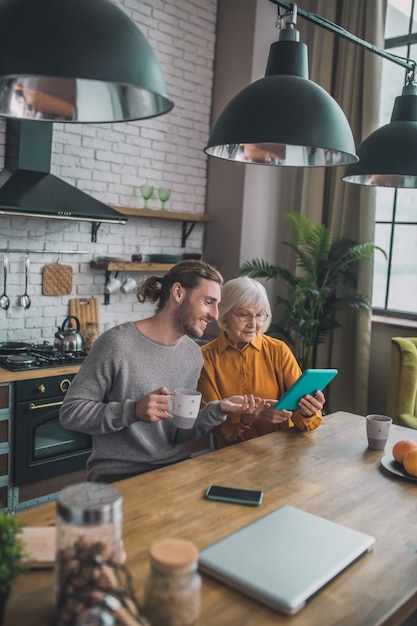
column 395, row 281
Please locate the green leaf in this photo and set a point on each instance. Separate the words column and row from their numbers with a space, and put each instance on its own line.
column 11, row 551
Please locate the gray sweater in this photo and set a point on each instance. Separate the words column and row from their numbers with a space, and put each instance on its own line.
column 123, row 366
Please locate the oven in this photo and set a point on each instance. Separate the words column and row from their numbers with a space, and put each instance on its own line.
column 42, row 449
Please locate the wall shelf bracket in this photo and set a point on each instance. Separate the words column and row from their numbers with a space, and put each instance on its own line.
column 185, row 232
column 94, row 228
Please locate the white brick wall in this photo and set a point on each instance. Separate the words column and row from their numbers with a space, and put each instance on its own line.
column 110, row 162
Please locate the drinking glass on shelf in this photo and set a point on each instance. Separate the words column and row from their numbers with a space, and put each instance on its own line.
column 146, row 192
column 163, row 195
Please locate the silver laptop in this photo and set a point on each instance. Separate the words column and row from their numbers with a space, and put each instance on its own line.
column 284, row 558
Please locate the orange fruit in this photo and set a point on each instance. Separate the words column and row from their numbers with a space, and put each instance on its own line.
column 401, row 448
column 410, row 462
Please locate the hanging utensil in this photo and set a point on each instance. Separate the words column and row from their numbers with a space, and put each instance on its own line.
column 25, row 301
column 5, row 300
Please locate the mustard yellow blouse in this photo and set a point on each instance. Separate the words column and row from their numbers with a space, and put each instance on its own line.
column 265, row 367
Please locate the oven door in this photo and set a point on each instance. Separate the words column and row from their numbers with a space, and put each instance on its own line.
column 42, row 448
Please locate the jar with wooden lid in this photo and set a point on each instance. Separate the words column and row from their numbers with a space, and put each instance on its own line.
column 88, row 527
column 172, row 587
column 90, row 335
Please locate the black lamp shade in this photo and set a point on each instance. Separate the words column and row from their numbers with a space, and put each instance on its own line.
column 388, row 157
column 76, row 61
column 284, row 118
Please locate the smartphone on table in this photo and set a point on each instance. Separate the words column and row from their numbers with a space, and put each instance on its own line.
column 252, row 497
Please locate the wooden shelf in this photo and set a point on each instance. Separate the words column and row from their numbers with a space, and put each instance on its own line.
column 111, row 266
column 163, row 215
column 185, row 218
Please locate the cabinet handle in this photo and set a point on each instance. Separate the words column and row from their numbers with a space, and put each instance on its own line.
column 32, row 406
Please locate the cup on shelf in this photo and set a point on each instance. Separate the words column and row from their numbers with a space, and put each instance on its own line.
column 113, row 285
column 146, row 191
column 129, row 285
column 164, row 194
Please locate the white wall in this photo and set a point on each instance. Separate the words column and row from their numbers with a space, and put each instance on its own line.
column 110, row 162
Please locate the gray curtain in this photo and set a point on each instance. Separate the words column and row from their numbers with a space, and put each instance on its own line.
column 352, row 76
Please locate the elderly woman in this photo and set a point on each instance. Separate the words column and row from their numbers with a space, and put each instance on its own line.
column 243, row 360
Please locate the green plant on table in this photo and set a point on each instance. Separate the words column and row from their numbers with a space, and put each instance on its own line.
column 325, row 285
column 11, row 551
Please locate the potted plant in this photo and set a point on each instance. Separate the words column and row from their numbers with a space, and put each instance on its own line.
column 11, row 556
column 325, row 285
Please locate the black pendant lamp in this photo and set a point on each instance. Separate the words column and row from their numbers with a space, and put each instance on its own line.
column 388, row 157
column 284, row 118
column 76, row 61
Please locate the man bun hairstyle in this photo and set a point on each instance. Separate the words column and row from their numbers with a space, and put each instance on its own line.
column 187, row 273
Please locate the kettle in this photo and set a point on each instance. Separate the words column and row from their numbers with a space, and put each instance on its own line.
column 68, row 339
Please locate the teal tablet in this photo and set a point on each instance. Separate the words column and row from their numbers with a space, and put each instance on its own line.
column 309, row 382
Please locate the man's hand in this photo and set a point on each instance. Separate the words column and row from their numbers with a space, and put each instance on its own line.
column 154, row 406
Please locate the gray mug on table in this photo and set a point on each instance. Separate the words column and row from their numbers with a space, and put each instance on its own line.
column 377, row 430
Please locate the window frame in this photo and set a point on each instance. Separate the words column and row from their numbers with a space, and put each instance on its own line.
column 407, row 41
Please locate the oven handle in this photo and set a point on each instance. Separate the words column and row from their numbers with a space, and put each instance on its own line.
column 32, row 406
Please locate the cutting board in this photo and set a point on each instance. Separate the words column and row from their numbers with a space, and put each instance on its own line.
column 86, row 310
column 39, row 546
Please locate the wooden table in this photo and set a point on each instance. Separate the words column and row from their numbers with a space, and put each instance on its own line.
column 329, row 472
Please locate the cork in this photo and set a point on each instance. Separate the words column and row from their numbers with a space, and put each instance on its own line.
column 173, row 553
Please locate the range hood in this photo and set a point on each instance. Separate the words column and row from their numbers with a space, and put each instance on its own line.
column 28, row 188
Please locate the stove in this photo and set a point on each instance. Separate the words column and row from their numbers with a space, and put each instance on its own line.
column 21, row 357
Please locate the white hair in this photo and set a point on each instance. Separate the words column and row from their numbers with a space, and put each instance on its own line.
column 243, row 292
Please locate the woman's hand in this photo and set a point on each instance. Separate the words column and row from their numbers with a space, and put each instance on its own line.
column 154, row 406
column 272, row 415
column 243, row 404
column 310, row 405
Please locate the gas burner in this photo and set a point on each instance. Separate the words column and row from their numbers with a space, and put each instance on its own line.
column 20, row 360
column 44, row 347
column 39, row 356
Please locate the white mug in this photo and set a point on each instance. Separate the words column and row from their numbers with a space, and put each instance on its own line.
column 112, row 285
column 377, row 430
column 184, row 407
column 129, row 285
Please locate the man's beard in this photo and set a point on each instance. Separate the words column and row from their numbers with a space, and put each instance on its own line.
column 185, row 321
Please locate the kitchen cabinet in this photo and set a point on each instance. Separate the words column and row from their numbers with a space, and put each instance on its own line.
column 14, row 497
column 5, row 428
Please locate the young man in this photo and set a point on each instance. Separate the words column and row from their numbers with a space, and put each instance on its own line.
column 120, row 395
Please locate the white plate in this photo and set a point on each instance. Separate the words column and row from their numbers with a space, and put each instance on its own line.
column 393, row 467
